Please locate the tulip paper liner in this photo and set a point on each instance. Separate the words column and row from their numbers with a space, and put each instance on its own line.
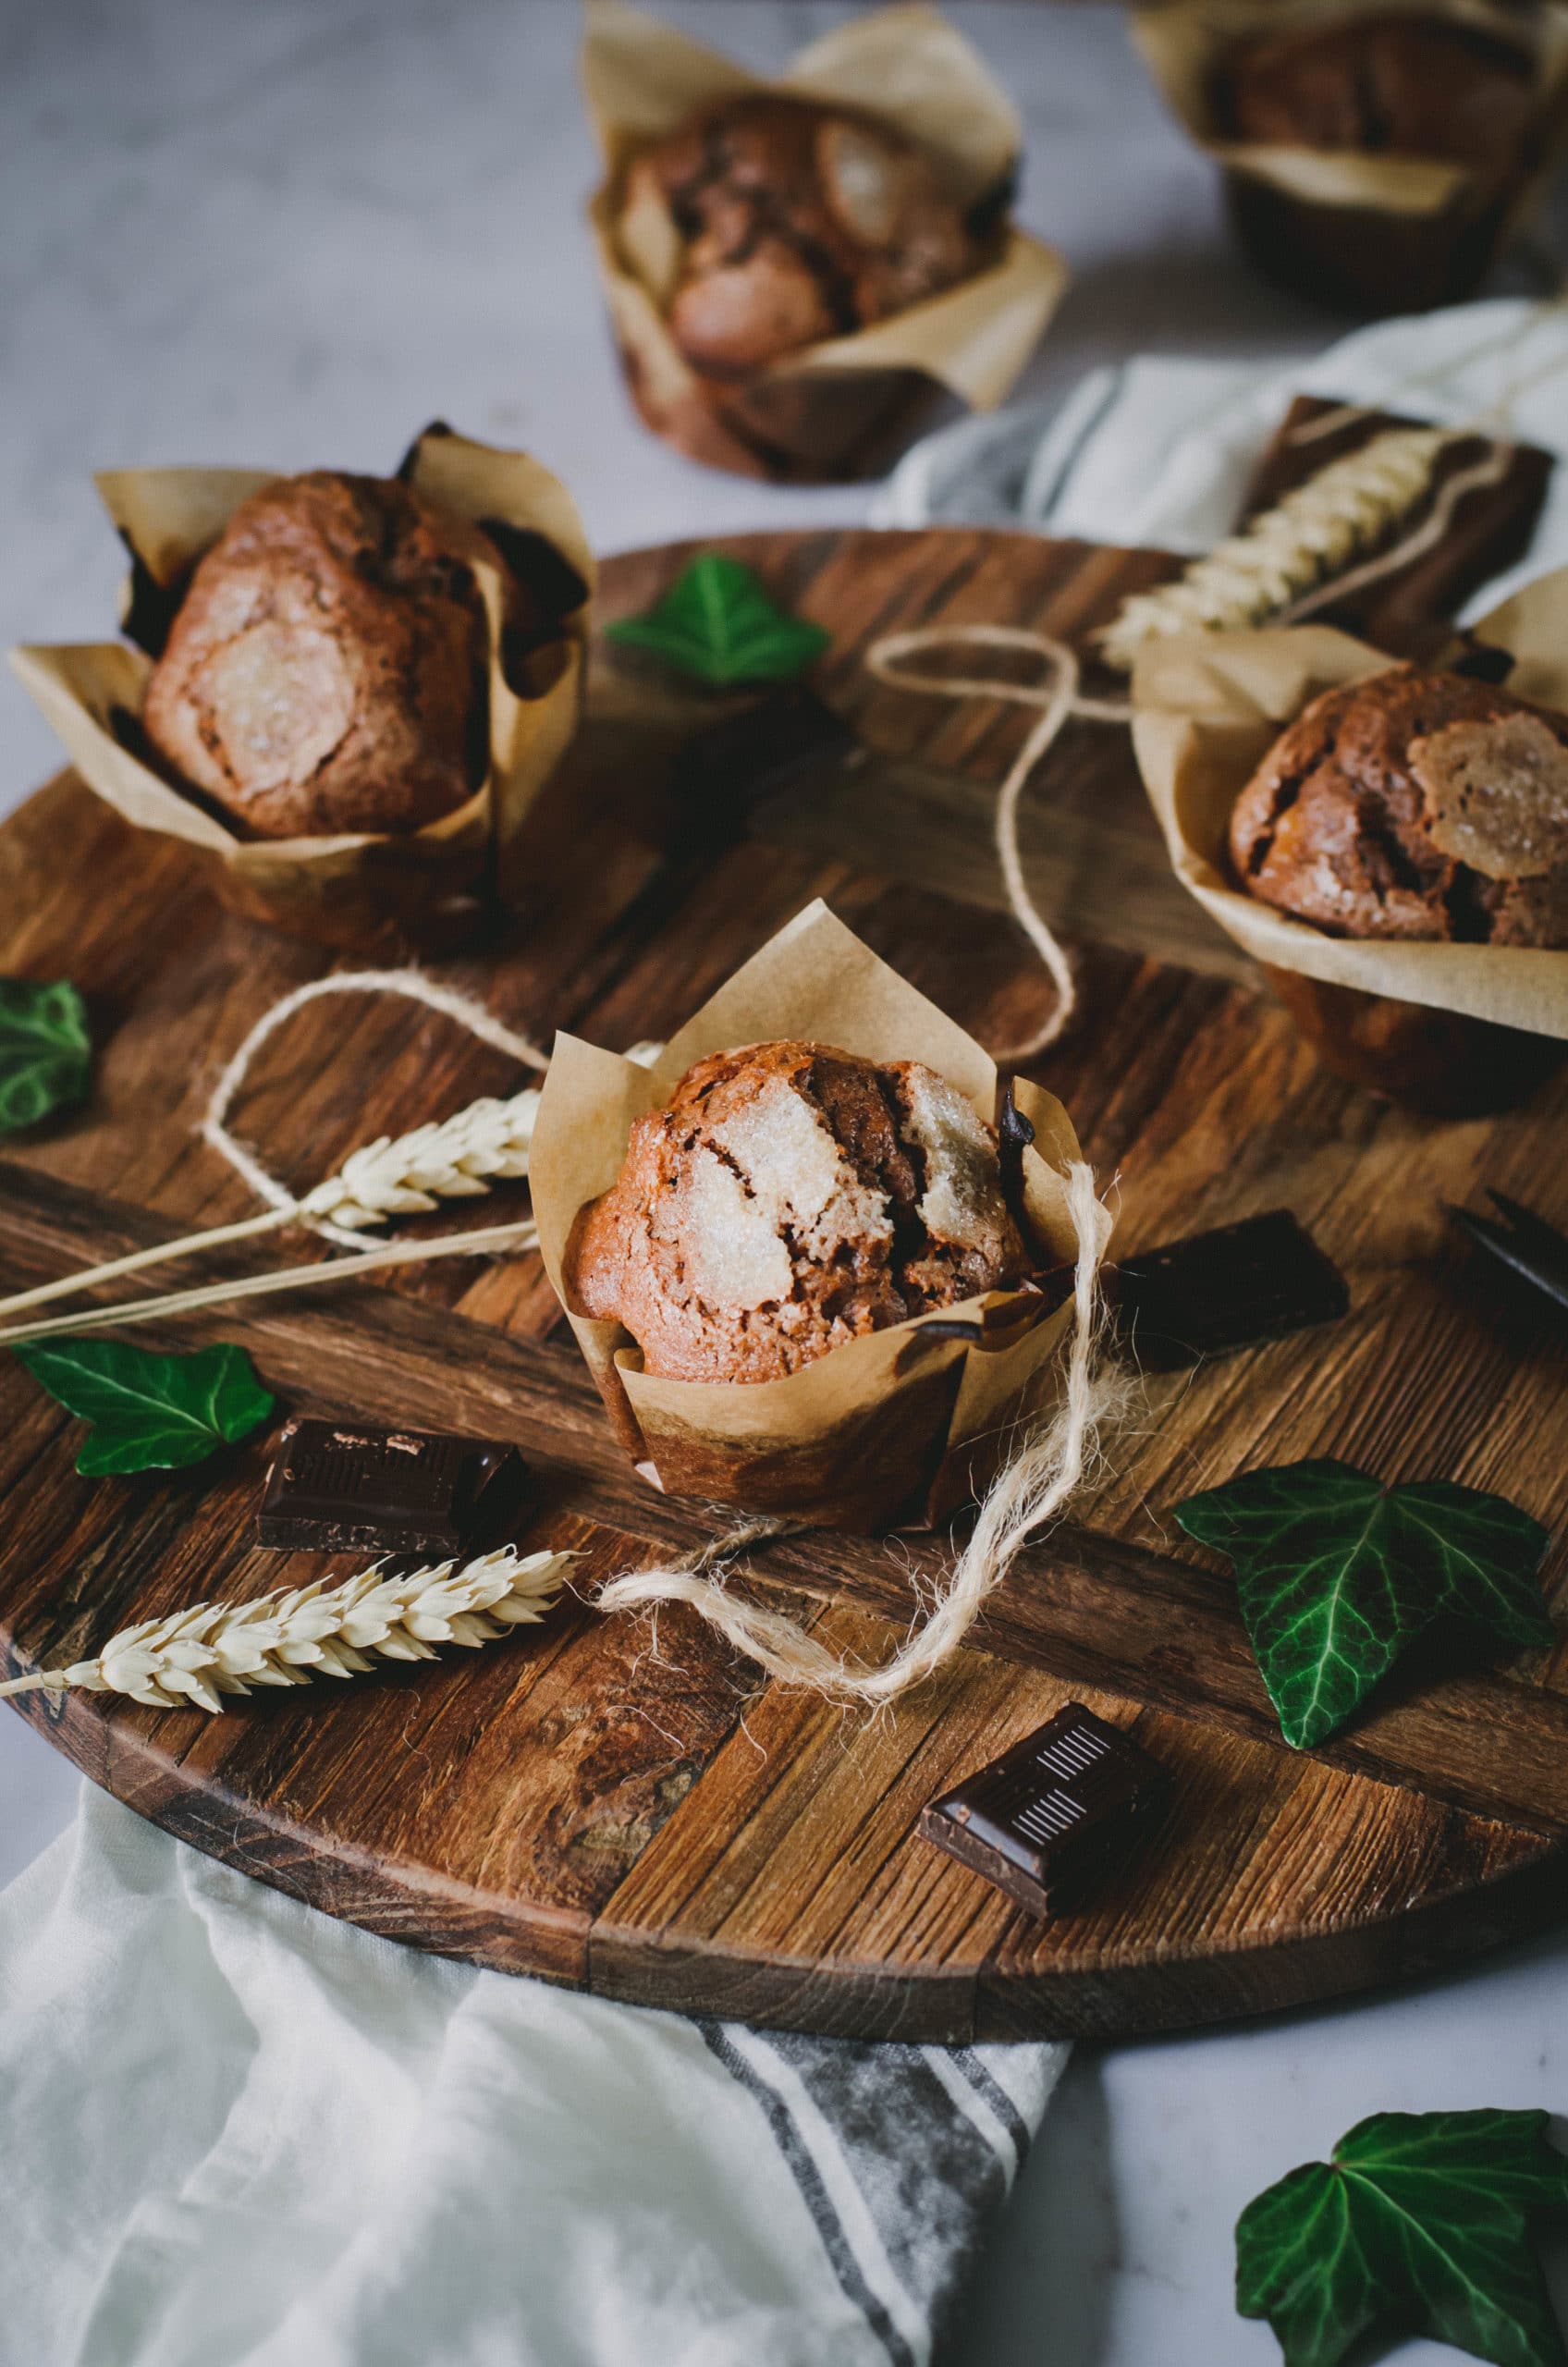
column 1206, row 708
column 349, row 888
column 812, row 414
column 892, row 1428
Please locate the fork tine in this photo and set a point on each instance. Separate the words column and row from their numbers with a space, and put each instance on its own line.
column 1549, row 1276
column 1530, row 1228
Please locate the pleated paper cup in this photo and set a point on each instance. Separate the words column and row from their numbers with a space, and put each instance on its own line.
column 844, row 407
column 896, row 1429
column 1450, row 1029
column 1366, row 232
column 420, row 890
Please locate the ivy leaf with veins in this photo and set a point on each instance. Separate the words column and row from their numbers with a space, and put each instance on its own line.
column 717, row 624
column 1420, row 2224
column 1337, row 1575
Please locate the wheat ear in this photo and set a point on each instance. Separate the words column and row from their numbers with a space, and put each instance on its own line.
column 193, row 1659
column 1337, row 516
column 409, row 1175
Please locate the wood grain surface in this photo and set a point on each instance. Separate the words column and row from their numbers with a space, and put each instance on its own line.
column 633, row 1811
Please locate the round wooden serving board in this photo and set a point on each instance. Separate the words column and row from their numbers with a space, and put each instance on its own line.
column 629, row 1812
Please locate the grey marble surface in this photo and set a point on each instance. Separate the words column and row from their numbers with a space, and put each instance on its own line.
column 290, row 235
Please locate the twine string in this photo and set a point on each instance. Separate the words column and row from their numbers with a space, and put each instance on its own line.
column 282, row 1207
column 418, row 989
column 1057, row 701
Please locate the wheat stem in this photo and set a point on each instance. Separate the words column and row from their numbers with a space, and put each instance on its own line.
column 68, row 1284
column 193, row 1658
column 523, row 1234
column 461, row 1157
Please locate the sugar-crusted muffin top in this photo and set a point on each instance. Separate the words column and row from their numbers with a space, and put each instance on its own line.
column 788, row 1197
column 326, row 669
column 1414, row 803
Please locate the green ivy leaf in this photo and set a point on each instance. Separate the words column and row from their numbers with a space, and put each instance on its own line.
column 1420, row 2225
column 45, row 1051
column 1337, row 1575
column 715, row 622
column 149, row 1413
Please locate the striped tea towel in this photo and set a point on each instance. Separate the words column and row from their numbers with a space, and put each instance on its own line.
column 240, row 2134
column 1158, row 451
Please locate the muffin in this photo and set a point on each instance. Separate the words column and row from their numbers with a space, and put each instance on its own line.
column 770, row 224
column 1392, row 85
column 326, row 669
column 1413, row 803
column 791, row 1198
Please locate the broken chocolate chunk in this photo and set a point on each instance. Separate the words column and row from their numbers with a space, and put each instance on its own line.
column 340, row 1488
column 1015, row 1133
column 1214, row 1291
column 1052, row 1812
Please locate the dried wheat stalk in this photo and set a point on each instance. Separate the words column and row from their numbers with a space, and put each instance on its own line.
column 458, row 1159
column 406, row 1176
column 1340, row 515
column 192, row 1659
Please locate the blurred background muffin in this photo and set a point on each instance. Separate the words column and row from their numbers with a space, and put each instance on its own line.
column 326, row 669
column 1378, row 159
column 770, row 224
column 788, row 1199
column 1387, row 85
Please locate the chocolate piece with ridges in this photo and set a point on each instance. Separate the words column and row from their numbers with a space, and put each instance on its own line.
column 1215, row 1290
column 1489, row 530
column 1041, row 1821
column 340, row 1488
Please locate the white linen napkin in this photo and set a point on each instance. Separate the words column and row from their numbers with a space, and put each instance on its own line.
column 1158, row 450
column 238, row 2133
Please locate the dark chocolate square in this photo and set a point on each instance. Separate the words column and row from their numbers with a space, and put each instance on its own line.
column 762, row 750
column 1215, row 1290
column 1041, row 1821
column 343, row 1487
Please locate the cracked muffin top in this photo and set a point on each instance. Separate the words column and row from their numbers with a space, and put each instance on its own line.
column 788, row 1199
column 1414, row 803
column 1400, row 85
column 326, row 669
column 768, row 224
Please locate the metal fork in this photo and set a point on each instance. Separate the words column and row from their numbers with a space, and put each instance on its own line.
column 1524, row 1242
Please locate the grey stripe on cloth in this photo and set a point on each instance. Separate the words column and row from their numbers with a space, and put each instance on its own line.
column 903, row 2154
column 804, row 2167
column 993, row 2093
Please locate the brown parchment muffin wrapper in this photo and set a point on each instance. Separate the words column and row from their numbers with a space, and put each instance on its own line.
column 1373, row 233
column 844, row 407
column 365, row 890
column 892, row 1430
column 1206, row 708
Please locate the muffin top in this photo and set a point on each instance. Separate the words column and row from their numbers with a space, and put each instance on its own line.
column 768, row 224
column 326, row 669
column 1414, row 803
column 788, row 1199
column 1395, row 84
